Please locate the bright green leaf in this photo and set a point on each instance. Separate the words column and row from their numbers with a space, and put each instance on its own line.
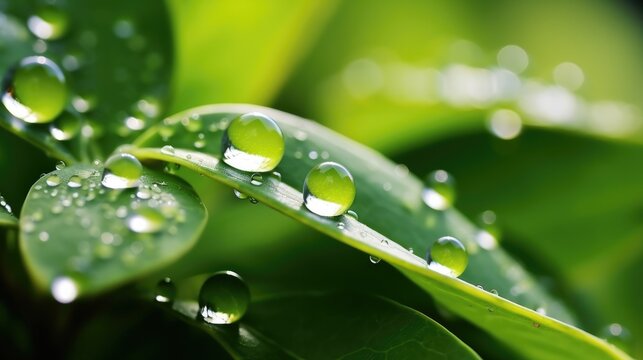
column 74, row 229
column 389, row 200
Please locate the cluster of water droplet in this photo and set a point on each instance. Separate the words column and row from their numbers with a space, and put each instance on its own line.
column 5, row 206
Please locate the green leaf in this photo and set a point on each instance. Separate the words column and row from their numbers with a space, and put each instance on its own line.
column 6, row 215
column 336, row 325
column 389, row 201
column 82, row 232
column 240, row 51
column 110, row 88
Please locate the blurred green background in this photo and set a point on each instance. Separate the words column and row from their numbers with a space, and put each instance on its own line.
column 421, row 81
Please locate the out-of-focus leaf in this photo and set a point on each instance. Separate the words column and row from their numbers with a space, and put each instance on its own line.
column 240, row 51
column 389, row 200
column 338, row 325
column 86, row 238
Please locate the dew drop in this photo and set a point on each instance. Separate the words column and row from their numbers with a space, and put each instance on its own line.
column 146, row 220
column 60, row 165
column 276, row 175
column 253, row 201
column 224, row 298
column 168, row 149
column 494, row 291
column 122, row 171
column 64, row 289
column 53, row 180
column 49, row 23
column 144, row 193
column 329, row 189
column 352, row 214
column 439, row 193
column 374, row 259
column 43, row 236
column 74, row 182
column 448, row 256
column 35, row 90
column 617, row 335
column 239, row 194
column 165, row 291
column 313, row 155
column 256, row 179
column 253, row 142
column 341, row 225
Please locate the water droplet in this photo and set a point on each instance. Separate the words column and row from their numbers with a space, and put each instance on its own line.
column 253, row 142
column 329, row 189
column 224, row 298
column 617, row 335
column 53, row 180
column 374, row 259
column 74, row 182
column 448, row 256
column 144, row 193
column 122, row 171
column 313, row 155
column 301, row 135
column 60, row 165
column 341, row 225
column 35, row 90
column 440, row 191
column 494, row 291
column 276, row 175
column 256, row 179
column 505, row 124
column 168, row 149
column 49, row 23
column 64, row 289
column 541, row 310
column 352, row 214
column 65, row 126
column 253, row 201
column 165, row 291
column 43, row 236
column 146, row 220
column 123, row 28
column 239, row 194
column 536, row 324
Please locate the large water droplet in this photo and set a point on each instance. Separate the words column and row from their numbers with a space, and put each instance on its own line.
column 122, row 171
column 64, row 289
column 329, row 189
column 165, row 291
column 35, row 90
column 49, row 23
column 224, row 298
column 253, row 142
column 448, row 256
column 146, row 220
column 440, row 191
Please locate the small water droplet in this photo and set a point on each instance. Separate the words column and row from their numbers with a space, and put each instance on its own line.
column 352, row 214
column 256, row 179
column 494, row 291
column 448, row 256
column 35, row 90
column 374, row 259
column 65, row 127
column 43, row 236
column 74, row 182
column 313, row 155
column 49, row 23
column 64, row 289
column 329, row 189
column 439, row 193
column 276, row 175
column 165, row 291
column 253, row 142
column 143, row 193
column 224, row 298
column 53, row 180
column 239, row 194
column 122, row 171
column 253, row 201
column 341, row 225
column 618, row 335
column 146, row 220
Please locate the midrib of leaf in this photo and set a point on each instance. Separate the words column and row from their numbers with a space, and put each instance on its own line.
column 451, row 292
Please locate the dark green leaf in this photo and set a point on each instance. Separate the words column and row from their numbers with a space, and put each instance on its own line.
column 83, row 233
column 333, row 326
column 388, row 200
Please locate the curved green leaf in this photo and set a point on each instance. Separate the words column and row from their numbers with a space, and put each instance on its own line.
column 107, row 88
column 389, row 201
column 332, row 326
column 6, row 215
column 82, row 232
